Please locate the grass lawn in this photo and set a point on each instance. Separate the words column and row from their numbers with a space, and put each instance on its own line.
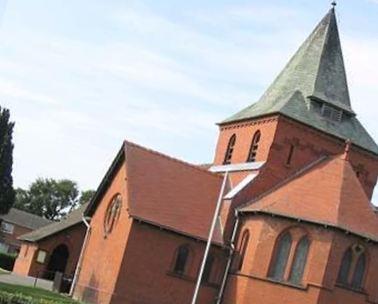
column 36, row 293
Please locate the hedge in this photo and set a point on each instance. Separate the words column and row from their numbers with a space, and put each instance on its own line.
column 7, row 260
column 18, row 298
column 11, row 298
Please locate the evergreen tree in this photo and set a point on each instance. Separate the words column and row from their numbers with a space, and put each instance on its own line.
column 7, row 193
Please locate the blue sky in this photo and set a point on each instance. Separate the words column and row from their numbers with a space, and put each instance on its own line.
column 80, row 76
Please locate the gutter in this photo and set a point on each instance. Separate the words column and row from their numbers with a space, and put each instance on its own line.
column 78, row 267
column 229, row 259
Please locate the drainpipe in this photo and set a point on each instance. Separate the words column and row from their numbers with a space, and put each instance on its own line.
column 229, row 260
column 78, row 267
column 208, row 244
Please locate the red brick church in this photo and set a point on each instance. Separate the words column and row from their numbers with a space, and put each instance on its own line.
column 296, row 225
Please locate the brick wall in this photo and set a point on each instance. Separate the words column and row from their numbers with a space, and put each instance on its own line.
column 252, row 285
column 26, row 263
column 146, row 274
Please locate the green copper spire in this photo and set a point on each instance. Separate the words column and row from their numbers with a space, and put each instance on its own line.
column 315, row 76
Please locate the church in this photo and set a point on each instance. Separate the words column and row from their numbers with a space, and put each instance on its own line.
column 295, row 173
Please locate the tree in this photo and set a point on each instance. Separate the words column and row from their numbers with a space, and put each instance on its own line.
column 86, row 196
column 48, row 198
column 7, row 193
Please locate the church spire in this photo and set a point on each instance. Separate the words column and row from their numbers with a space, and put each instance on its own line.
column 330, row 81
column 316, row 70
column 313, row 87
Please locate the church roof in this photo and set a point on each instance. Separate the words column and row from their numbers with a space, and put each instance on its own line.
column 166, row 192
column 171, row 193
column 327, row 192
column 315, row 75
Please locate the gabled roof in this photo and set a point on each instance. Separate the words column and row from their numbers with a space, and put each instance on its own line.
column 328, row 193
column 166, row 192
column 72, row 219
column 315, row 74
column 24, row 219
column 171, row 193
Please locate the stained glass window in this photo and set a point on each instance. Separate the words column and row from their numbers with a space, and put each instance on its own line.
column 181, row 259
column 359, row 272
column 281, row 256
column 112, row 214
column 299, row 262
column 346, row 264
column 208, row 268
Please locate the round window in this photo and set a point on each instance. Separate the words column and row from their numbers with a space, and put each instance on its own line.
column 112, row 214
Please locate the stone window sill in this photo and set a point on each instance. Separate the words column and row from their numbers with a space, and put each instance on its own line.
column 350, row 288
column 285, row 283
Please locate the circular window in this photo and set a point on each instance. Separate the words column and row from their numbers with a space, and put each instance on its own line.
column 112, row 214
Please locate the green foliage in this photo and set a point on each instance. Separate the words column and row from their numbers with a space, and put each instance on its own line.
column 7, row 195
column 48, row 198
column 86, row 196
column 15, row 294
column 7, row 261
column 51, row 198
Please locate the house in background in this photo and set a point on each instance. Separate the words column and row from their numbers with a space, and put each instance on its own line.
column 52, row 248
column 16, row 223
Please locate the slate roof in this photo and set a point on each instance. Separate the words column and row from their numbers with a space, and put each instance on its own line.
column 315, row 74
column 24, row 219
column 72, row 219
column 327, row 192
column 166, row 192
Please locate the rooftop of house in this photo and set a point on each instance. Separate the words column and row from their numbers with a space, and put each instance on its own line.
column 312, row 82
column 24, row 219
column 72, row 219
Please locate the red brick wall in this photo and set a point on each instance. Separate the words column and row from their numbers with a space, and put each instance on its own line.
column 25, row 259
column 277, row 134
column 103, row 255
column 146, row 275
column 251, row 284
column 310, row 144
column 244, row 133
column 73, row 237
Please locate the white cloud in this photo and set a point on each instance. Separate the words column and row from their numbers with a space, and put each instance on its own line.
column 157, row 80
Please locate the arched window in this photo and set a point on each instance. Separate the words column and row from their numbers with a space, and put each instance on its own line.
column 208, row 269
column 242, row 249
column 230, row 150
column 182, row 256
column 254, row 146
column 344, row 270
column 281, row 256
column 359, row 272
column 299, row 263
column 353, row 267
column 112, row 214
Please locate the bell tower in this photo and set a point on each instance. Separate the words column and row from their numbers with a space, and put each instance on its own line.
column 304, row 114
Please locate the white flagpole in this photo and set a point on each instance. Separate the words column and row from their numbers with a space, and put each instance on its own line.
column 208, row 244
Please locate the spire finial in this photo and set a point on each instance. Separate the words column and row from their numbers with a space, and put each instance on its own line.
column 334, row 3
